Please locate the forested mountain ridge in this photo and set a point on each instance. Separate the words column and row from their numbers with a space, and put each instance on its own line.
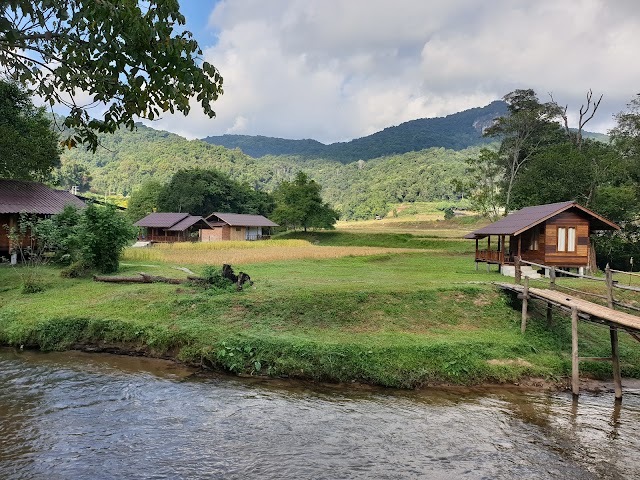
column 456, row 132
column 359, row 189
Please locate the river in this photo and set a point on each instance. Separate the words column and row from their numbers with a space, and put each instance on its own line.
column 80, row 416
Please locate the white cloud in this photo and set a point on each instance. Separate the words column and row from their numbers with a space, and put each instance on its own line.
column 335, row 70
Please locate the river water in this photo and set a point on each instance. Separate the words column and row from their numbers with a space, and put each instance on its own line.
column 80, row 416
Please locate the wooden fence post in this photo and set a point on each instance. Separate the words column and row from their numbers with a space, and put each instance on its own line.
column 575, row 373
column 552, row 278
column 525, row 304
column 518, row 270
column 609, row 282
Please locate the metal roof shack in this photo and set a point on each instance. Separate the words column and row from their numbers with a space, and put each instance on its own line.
column 241, row 220
column 22, row 196
column 161, row 220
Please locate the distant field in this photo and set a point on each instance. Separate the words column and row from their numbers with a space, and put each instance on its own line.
column 242, row 253
column 421, row 218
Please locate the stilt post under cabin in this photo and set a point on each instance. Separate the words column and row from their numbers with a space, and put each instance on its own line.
column 613, row 334
column 525, row 305
column 575, row 372
column 476, row 254
column 615, row 362
column 488, row 253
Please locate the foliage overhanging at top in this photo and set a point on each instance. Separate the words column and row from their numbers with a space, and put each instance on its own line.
column 131, row 56
column 29, row 148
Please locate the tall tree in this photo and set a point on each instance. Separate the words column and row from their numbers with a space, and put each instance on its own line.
column 144, row 200
column 131, row 55
column 528, row 126
column 482, row 182
column 299, row 205
column 29, row 147
column 201, row 192
column 586, row 113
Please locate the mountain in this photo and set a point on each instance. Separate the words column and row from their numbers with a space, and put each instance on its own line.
column 456, row 132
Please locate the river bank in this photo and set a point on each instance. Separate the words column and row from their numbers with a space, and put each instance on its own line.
column 404, row 320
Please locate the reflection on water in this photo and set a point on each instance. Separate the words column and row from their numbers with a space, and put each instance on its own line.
column 93, row 416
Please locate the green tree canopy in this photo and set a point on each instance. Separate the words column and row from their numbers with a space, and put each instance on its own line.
column 201, row 192
column 528, row 127
column 144, row 200
column 130, row 55
column 29, row 148
column 299, row 205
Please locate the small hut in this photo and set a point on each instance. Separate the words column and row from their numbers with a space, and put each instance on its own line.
column 556, row 234
column 237, row 226
column 172, row 227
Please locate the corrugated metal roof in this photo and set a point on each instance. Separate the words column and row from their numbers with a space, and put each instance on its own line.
column 521, row 220
column 242, row 220
column 187, row 222
column 161, row 219
column 21, row 196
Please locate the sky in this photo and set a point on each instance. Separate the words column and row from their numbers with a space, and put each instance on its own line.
column 334, row 70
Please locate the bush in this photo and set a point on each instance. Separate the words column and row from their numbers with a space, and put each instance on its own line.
column 213, row 276
column 77, row 269
column 449, row 213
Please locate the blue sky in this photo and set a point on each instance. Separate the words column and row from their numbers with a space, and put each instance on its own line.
column 334, row 70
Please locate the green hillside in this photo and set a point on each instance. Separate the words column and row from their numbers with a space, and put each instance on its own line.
column 359, row 190
column 456, row 132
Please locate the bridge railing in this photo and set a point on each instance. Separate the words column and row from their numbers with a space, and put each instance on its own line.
column 610, row 283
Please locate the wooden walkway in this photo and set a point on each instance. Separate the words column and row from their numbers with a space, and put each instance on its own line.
column 584, row 310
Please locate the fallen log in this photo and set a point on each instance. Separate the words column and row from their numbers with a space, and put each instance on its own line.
column 141, row 278
column 98, row 278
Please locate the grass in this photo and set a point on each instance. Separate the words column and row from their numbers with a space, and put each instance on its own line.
column 393, row 317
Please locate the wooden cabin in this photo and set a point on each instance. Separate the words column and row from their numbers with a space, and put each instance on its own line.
column 172, row 227
column 556, row 234
column 23, row 197
column 236, row 226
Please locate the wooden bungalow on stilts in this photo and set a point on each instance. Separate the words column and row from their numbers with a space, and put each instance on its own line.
column 556, row 234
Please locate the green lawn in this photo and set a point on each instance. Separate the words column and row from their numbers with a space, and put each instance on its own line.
column 397, row 319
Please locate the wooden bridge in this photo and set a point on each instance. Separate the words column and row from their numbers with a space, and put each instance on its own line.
column 582, row 310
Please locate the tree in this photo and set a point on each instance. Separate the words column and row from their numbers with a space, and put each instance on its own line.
column 482, row 181
column 201, row 192
column 299, row 205
column 144, row 200
column 528, row 127
column 104, row 232
column 128, row 55
column 586, row 113
column 29, row 147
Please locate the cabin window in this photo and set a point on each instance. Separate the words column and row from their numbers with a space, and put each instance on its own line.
column 238, row 229
column 566, row 239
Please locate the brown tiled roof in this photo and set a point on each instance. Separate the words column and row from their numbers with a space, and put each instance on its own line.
column 161, row 219
column 242, row 220
column 21, row 196
column 517, row 222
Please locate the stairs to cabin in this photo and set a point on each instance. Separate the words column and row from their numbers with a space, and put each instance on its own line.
column 527, row 271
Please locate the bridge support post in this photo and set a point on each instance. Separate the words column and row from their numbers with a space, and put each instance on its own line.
column 575, row 372
column 615, row 363
column 525, row 305
column 549, row 315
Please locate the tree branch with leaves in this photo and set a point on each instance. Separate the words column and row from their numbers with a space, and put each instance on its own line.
column 130, row 56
